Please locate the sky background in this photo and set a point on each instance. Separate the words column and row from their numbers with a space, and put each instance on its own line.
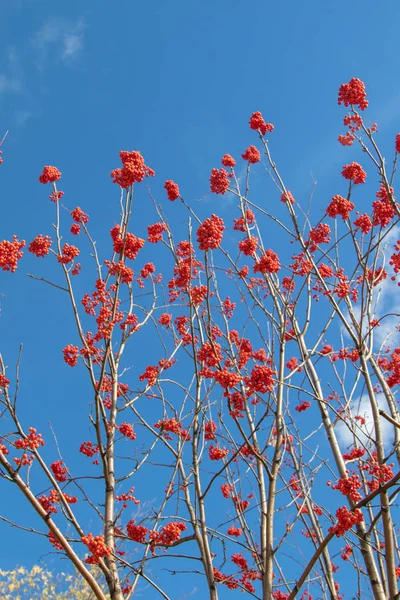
column 177, row 80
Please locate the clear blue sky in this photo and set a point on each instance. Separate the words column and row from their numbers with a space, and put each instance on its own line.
column 177, row 80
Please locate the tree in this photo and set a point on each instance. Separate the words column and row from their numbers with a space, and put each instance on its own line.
column 266, row 414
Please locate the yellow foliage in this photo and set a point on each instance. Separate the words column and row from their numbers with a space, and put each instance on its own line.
column 39, row 584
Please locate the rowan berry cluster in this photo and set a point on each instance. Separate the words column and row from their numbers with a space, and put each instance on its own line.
column 151, row 374
column 155, row 232
column 347, row 139
column 71, row 354
column 210, row 233
column 382, row 473
column 165, row 319
column 227, row 489
column 128, row 246
column 133, row 170
column 169, row 425
column 234, row 531
column 4, row 449
column 252, row 155
column 40, row 245
column 120, row 269
column 147, row 270
column 228, row 307
column 376, row 276
column 48, row 502
column 219, row 182
column 210, row 354
column 287, row 197
column 10, row 254
column 346, row 520
column 69, row 253
column 198, row 294
column 127, row 431
column 97, row 547
column 383, row 212
column 128, row 497
column 293, row 366
column 339, row 206
column 248, row 246
column 248, row 219
column 258, row 124
column 349, row 486
column 31, row 442
column 56, row 196
column 54, row 541
column 228, row 161
column 227, row 379
column 168, row 534
column 240, row 504
column 75, row 229
column 288, row 284
column 319, row 235
column 302, row 266
column 137, row 533
column 49, row 175
column 261, row 380
column 355, row 173
column 353, row 93
column 4, row 382
column 303, row 406
column 216, row 453
column 79, row 216
column 268, row 263
column 209, row 430
column 59, row 470
column 88, row 449
column 172, row 190
column 347, row 552
column 364, row 223
column 397, row 143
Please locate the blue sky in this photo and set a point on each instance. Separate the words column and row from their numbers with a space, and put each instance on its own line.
column 177, row 80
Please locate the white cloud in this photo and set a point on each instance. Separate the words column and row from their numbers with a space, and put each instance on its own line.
column 62, row 36
column 362, row 407
column 385, row 299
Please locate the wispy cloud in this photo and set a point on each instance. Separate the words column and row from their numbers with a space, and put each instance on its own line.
column 11, row 80
column 9, row 83
column 22, row 116
column 60, row 36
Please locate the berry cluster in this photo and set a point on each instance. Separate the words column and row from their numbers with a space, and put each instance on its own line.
column 353, row 94
column 219, row 182
column 133, row 171
column 268, row 263
column 172, row 190
column 97, row 547
column 49, row 175
column 210, row 232
column 339, row 206
column 40, row 245
column 258, row 124
column 10, row 254
column 59, row 470
column 252, row 155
